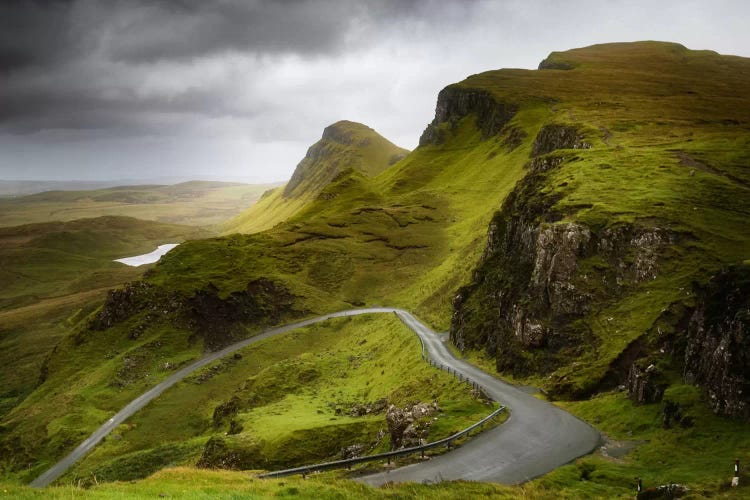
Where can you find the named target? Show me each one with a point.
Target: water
(147, 258)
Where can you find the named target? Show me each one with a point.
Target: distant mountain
(22, 188)
(201, 203)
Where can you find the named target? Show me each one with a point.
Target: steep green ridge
(610, 183)
(196, 203)
(598, 247)
(345, 146)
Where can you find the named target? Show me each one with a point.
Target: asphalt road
(537, 438)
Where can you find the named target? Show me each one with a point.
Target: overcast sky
(239, 89)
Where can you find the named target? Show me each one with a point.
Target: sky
(239, 89)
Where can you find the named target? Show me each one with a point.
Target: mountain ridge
(345, 148)
(572, 210)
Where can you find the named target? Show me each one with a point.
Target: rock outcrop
(539, 276)
(456, 102)
(217, 319)
(717, 353)
(556, 136)
(644, 384)
(409, 426)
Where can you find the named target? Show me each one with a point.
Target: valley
(582, 228)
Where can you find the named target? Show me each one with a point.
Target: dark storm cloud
(76, 64)
(34, 33)
(89, 88)
(175, 30)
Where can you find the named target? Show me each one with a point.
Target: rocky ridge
(455, 103)
(539, 273)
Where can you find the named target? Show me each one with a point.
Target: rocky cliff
(455, 103)
(540, 274)
(717, 352)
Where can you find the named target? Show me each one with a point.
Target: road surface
(537, 438)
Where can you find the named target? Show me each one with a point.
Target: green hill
(583, 227)
(345, 147)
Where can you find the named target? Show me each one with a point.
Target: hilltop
(345, 147)
(582, 227)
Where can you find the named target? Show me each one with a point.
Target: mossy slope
(629, 139)
(345, 147)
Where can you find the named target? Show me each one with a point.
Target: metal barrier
(341, 464)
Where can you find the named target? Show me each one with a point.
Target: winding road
(536, 439)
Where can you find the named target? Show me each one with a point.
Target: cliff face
(530, 292)
(455, 103)
(717, 353)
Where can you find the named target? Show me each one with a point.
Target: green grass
(53, 276)
(195, 203)
(290, 389)
(701, 456)
(190, 483)
(345, 147)
(670, 139)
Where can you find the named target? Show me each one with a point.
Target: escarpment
(217, 319)
(717, 349)
(542, 273)
(455, 102)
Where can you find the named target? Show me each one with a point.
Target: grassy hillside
(53, 275)
(345, 147)
(195, 203)
(662, 198)
(611, 180)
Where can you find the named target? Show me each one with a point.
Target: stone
(353, 451)
(717, 353)
(644, 385)
(408, 426)
(556, 136)
(455, 102)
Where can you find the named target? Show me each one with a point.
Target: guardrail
(343, 464)
(347, 463)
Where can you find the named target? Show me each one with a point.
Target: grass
(701, 456)
(669, 134)
(296, 393)
(195, 203)
(188, 483)
(345, 147)
(53, 275)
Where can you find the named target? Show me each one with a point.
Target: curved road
(536, 439)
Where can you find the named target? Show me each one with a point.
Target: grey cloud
(251, 83)
(64, 59)
(34, 33)
(193, 29)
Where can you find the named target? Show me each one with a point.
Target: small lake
(147, 258)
